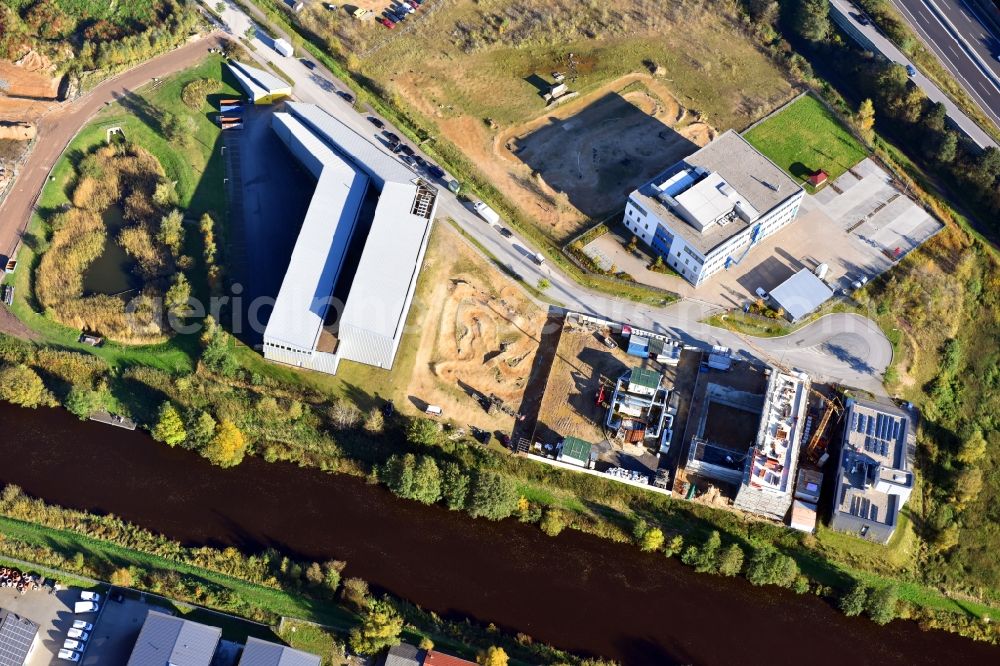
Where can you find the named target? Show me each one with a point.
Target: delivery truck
(284, 48)
(486, 213)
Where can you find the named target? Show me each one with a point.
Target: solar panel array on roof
(16, 636)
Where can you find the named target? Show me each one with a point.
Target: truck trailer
(284, 48)
(486, 213)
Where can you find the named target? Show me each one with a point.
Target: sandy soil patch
(580, 160)
(481, 337)
(27, 88)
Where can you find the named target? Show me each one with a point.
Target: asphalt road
(978, 71)
(58, 128)
(843, 348)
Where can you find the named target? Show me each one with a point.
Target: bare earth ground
(474, 74)
(30, 89)
(582, 364)
(470, 311)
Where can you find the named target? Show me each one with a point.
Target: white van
(433, 410)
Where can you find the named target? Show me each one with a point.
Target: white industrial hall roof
(381, 167)
(255, 81)
(391, 258)
(302, 303)
(801, 294)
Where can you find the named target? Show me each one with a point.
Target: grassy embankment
(806, 137)
(196, 167)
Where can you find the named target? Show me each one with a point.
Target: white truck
(486, 213)
(284, 48)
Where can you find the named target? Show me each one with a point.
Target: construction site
(701, 424)
(617, 389)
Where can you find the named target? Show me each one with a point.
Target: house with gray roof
(404, 654)
(705, 213)
(165, 640)
(264, 653)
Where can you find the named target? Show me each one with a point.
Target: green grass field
(805, 137)
(197, 169)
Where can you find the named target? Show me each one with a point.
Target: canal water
(575, 591)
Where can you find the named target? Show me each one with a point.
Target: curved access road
(59, 126)
(842, 348)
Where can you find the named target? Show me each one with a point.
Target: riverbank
(651, 609)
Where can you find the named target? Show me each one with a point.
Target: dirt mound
(17, 131)
(27, 88)
(32, 61)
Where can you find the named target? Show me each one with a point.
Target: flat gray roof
(388, 263)
(743, 168)
(255, 81)
(875, 450)
(304, 297)
(263, 653)
(382, 168)
(165, 640)
(801, 294)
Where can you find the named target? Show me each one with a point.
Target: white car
(761, 293)
(78, 634)
(80, 624)
(69, 655)
(90, 596)
(85, 607)
(70, 644)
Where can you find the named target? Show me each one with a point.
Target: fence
(593, 472)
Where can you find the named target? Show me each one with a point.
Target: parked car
(863, 20)
(505, 232)
(68, 655)
(392, 138)
(89, 596)
(81, 625)
(346, 96)
(388, 16)
(78, 634)
(85, 607)
(308, 63)
(761, 292)
(435, 170)
(911, 70)
(421, 162)
(376, 122)
(386, 22)
(405, 7)
(405, 149)
(398, 14)
(412, 4)
(70, 644)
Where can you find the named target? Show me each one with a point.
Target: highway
(843, 348)
(847, 15)
(965, 44)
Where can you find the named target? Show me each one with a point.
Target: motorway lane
(982, 86)
(58, 128)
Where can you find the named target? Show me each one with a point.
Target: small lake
(111, 273)
(575, 591)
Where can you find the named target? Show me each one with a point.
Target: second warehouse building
(374, 315)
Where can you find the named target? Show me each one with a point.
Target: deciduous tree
(494, 496)
(169, 427)
(227, 447)
(493, 656)
(379, 629)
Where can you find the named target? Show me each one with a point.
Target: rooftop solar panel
(16, 636)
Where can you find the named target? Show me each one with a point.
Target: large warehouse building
(371, 324)
(706, 212)
(260, 86)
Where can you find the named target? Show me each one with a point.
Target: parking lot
(52, 610)
(858, 225)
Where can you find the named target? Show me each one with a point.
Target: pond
(111, 273)
(575, 591)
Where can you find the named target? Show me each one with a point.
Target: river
(574, 591)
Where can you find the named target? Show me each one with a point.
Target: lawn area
(806, 137)
(197, 169)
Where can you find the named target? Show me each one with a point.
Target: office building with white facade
(705, 213)
(299, 331)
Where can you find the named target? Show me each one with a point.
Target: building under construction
(768, 478)
(638, 408)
